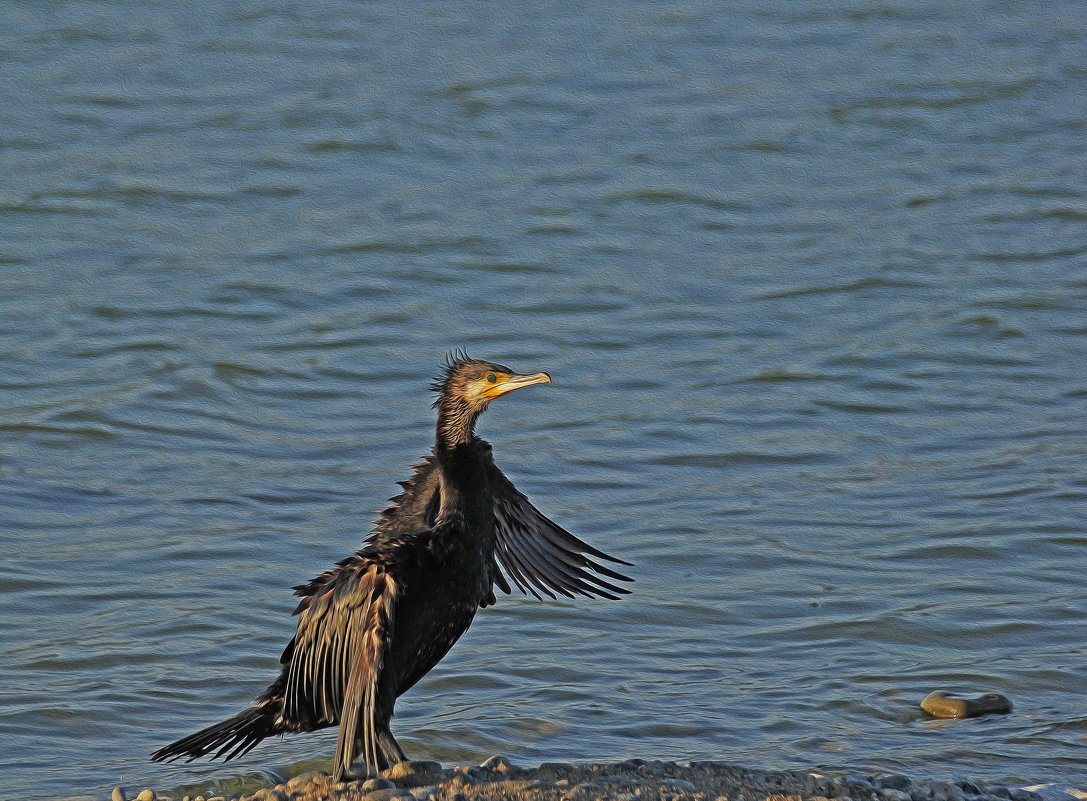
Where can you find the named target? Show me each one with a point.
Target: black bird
(371, 627)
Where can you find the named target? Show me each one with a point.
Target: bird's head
(467, 386)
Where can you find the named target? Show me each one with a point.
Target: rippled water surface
(811, 279)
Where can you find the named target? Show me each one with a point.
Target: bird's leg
(389, 747)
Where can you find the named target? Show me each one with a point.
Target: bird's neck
(456, 423)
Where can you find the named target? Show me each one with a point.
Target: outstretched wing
(541, 556)
(333, 664)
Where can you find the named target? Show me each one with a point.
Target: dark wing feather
(334, 662)
(540, 556)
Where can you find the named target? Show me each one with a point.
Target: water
(810, 278)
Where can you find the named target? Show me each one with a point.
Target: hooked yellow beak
(508, 383)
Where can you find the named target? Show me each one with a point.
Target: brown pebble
(147, 795)
(305, 779)
(941, 704)
(117, 795)
(417, 770)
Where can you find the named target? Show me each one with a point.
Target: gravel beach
(496, 779)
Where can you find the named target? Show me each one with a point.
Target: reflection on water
(810, 283)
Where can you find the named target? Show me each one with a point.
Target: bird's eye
(491, 377)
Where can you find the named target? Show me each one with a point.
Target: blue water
(811, 279)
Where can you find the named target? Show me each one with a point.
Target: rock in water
(940, 704)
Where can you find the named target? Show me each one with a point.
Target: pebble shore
(496, 779)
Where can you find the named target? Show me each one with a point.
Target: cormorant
(371, 627)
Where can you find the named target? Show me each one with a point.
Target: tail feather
(229, 739)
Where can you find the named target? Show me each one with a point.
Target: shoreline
(496, 779)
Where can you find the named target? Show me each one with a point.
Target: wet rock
(891, 781)
(557, 767)
(945, 791)
(496, 764)
(940, 704)
(895, 795)
(147, 795)
(117, 795)
(431, 791)
(1056, 792)
(1021, 794)
(920, 792)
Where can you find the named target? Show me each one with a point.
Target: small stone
(276, 794)
(302, 780)
(895, 795)
(147, 795)
(389, 795)
(584, 792)
(460, 780)
(424, 793)
(117, 795)
(420, 771)
(370, 785)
